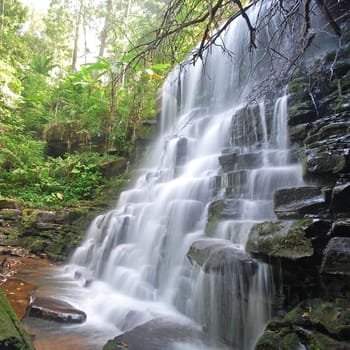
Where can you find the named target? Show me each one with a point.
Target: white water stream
(136, 253)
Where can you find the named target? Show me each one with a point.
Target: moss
(298, 85)
(28, 218)
(269, 227)
(10, 214)
(62, 245)
(12, 336)
(214, 215)
(77, 213)
(280, 239)
(334, 318)
(37, 246)
(284, 339)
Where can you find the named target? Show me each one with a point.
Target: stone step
(258, 184)
(253, 160)
(294, 203)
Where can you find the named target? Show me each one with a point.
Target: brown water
(31, 274)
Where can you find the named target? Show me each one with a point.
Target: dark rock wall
(315, 279)
(308, 245)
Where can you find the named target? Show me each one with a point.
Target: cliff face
(309, 245)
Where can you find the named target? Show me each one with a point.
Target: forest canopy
(89, 70)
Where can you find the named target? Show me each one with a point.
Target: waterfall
(136, 254)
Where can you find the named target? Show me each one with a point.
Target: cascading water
(136, 254)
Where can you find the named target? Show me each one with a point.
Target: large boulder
(227, 280)
(218, 255)
(12, 336)
(341, 228)
(281, 239)
(158, 334)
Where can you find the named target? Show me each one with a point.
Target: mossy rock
(332, 318)
(290, 338)
(298, 87)
(300, 113)
(29, 218)
(281, 239)
(62, 245)
(38, 246)
(214, 215)
(12, 336)
(278, 338)
(7, 203)
(10, 214)
(314, 324)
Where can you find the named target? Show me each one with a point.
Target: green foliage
(10, 87)
(53, 182)
(80, 97)
(39, 94)
(59, 27)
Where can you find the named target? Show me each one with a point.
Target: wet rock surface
(217, 255)
(55, 310)
(281, 239)
(158, 334)
(315, 291)
(19, 294)
(336, 260)
(12, 336)
(294, 203)
(312, 324)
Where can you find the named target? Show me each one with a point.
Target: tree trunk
(76, 36)
(104, 33)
